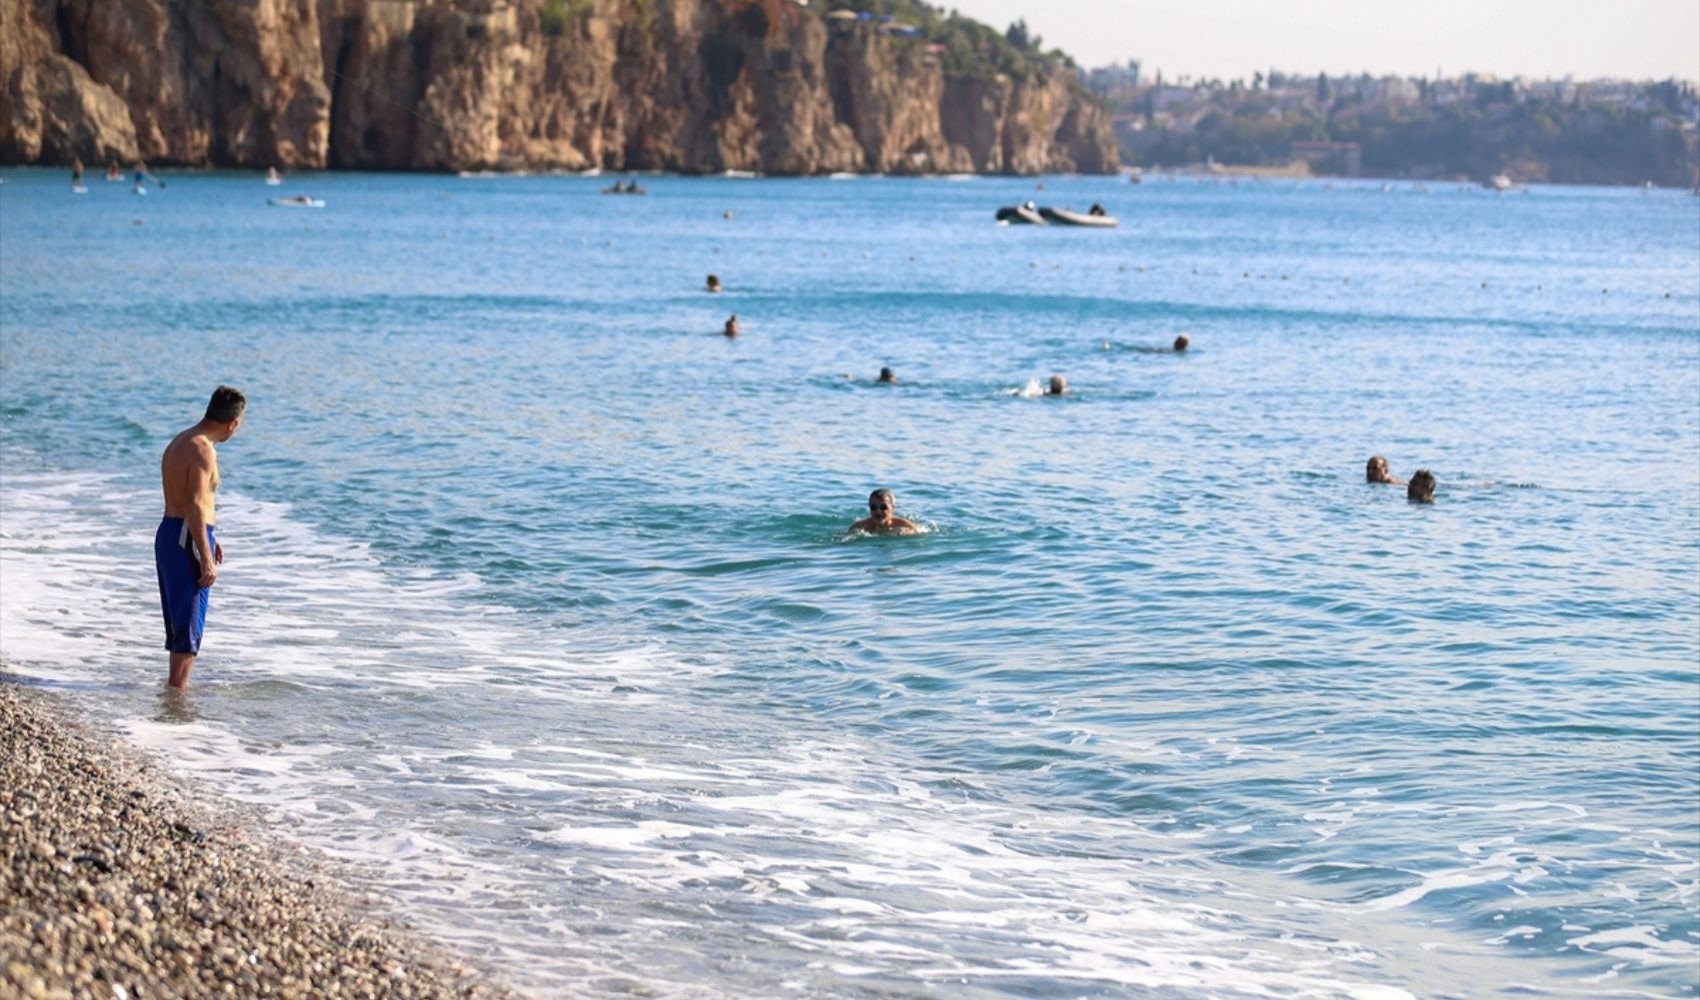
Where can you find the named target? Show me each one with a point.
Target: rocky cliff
(695, 86)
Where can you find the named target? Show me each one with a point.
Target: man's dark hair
(226, 404)
(1421, 486)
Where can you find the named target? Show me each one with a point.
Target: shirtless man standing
(186, 552)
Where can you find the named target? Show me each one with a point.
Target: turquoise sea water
(540, 610)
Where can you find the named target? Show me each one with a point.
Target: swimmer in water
(714, 284)
(882, 517)
(1058, 386)
(887, 376)
(1181, 344)
(731, 325)
(1375, 471)
(1421, 487)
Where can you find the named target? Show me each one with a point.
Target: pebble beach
(121, 882)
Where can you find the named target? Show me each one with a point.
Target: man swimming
(1421, 487)
(882, 517)
(887, 376)
(186, 551)
(1375, 471)
(731, 329)
(1058, 386)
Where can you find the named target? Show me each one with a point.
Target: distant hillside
(696, 86)
(1608, 132)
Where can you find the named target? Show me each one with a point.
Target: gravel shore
(119, 884)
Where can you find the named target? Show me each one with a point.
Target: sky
(1586, 39)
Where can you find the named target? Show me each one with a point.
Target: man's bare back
(188, 472)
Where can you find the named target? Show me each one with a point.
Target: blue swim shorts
(181, 596)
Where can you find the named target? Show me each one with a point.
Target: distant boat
(299, 201)
(1135, 175)
(1020, 215)
(632, 188)
(1063, 217)
(1500, 182)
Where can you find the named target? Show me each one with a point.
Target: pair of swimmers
(1420, 489)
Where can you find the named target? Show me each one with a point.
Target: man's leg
(181, 664)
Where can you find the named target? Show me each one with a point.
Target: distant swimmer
(1181, 344)
(1421, 487)
(112, 171)
(1375, 471)
(186, 551)
(272, 176)
(731, 325)
(714, 283)
(887, 376)
(1058, 386)
(76, 171)
(882, 517)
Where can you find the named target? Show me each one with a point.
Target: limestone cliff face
(688, 85)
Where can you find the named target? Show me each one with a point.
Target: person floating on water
(1375, 471)
(1058, 386)
(186, 551)
(731, 325)
(714, 284)
(112, 171)
(272, 176)
(76, 172)
(1421, 487)
(1181, 344)
(887, 376)
(882, 517)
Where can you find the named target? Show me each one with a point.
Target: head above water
(1421, 487)
(882, 503)
(887, 375)
(1181, 343)
(1058, 386)
(732, 325)
(714, 282)
(1375, 470)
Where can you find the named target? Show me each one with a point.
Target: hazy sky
(1639, 39)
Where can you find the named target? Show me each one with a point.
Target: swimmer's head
(882, 503)
(1058, 386)
(1375, 471)
(732, 325)
(887, 375)
(714, 282)
(1181, 343)
(1421, 487)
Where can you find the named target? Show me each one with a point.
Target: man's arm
(203, 465)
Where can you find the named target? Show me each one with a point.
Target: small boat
(632, 188)
(1499, 182)
(1135, 175)
(1020, 215)
(1063, 217)
(300, 201)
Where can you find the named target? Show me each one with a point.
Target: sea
(541, 614)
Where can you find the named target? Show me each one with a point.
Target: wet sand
(121, 881)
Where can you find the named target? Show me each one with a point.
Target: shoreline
(123, 880)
